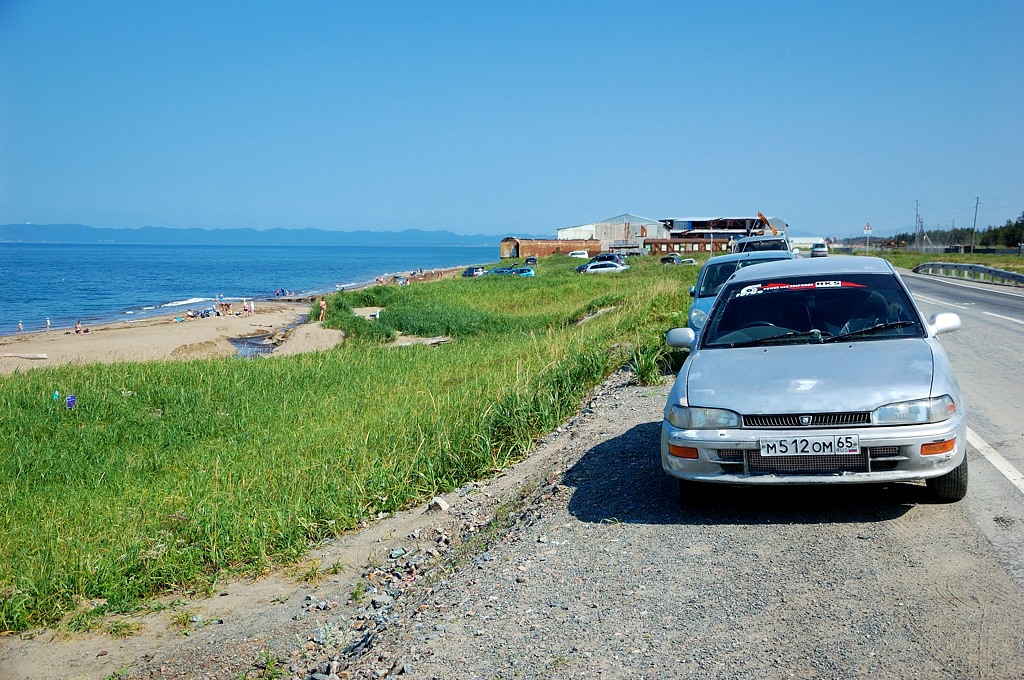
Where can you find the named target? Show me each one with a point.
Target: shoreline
(179, 308)
(150, 339)
(160, 337)
(71, 282)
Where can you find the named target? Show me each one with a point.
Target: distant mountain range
(80, 233)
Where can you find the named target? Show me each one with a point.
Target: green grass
(168, 476)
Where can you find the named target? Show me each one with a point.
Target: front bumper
(886, 454)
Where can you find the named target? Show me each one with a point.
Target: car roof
(818, 266)
(753, 255)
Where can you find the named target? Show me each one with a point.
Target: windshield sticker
(759, 288)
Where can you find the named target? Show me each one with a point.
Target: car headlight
(696, 418)
(697, 319)
(933, 410)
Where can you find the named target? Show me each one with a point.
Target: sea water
(98, 283)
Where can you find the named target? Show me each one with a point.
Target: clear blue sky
(482, 117)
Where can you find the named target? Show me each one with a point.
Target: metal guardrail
(973, 272)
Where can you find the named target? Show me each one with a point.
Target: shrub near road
(168, 476)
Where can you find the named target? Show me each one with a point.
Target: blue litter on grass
(70, 401)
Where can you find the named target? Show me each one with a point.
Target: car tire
(950, 487)
(693, 494)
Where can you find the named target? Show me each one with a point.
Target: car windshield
(716, 274)
(839, 307)
(757, 246)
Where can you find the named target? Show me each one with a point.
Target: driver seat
(873, 311)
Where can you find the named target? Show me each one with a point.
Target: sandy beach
(159, 338)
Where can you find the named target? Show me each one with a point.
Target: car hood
(857, 376)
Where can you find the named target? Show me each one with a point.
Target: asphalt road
(987, 357)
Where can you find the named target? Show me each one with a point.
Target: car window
(758, 246)
(854, 307)
(715, 276)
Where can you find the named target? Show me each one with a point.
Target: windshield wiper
(869, 330)
(813, 334)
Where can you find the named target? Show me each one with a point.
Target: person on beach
(21, 329)
(323, 309)
(245, 308)
(78, 327)
(47, 324)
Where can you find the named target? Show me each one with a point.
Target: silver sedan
(816, 371)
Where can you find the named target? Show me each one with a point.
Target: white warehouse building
(621, 233)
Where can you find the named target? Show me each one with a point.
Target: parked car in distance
(530, 261)
(580, 253)
(714, 274)
(819, 250)
(522, 271)
(475, 270)
(603, 267)
(752, 243)
(603, 257)
(816, 371)
(678, 259)
(503, 269)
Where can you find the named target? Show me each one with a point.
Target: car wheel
(950, 487)
(693, 494)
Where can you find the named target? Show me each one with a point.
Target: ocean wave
(183, 303)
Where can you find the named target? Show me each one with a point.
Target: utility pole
(918, 228)
(974, 227)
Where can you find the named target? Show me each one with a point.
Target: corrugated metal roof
(627, 217)
(712, 219)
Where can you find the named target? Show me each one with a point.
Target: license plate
(811, 446)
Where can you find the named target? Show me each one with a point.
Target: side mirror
(796, 251)
(680, 337)
(693, 291)
(944, 322)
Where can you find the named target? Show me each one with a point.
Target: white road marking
(1000, 463)
(939, 302)
(1007, 318)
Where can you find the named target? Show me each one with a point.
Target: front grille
(792, 420)
(730, 455)
(855, 462)
(730, 459)
(883, 451)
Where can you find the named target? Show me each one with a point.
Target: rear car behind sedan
(716, 271)
(816, 371)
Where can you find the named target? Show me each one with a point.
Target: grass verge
(168, 476)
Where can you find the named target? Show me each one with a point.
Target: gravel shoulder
(580, 562)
